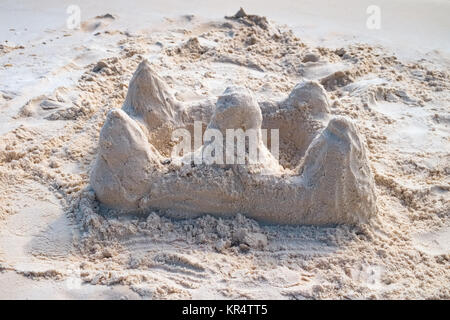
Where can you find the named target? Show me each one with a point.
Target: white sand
(55, 244)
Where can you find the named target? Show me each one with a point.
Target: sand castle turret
(148, 98)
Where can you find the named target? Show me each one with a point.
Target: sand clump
(250, 19)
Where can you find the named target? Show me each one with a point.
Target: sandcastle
(323, 175)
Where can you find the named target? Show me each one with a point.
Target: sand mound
(330, 181)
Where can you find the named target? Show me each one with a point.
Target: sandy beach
(61, 238)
